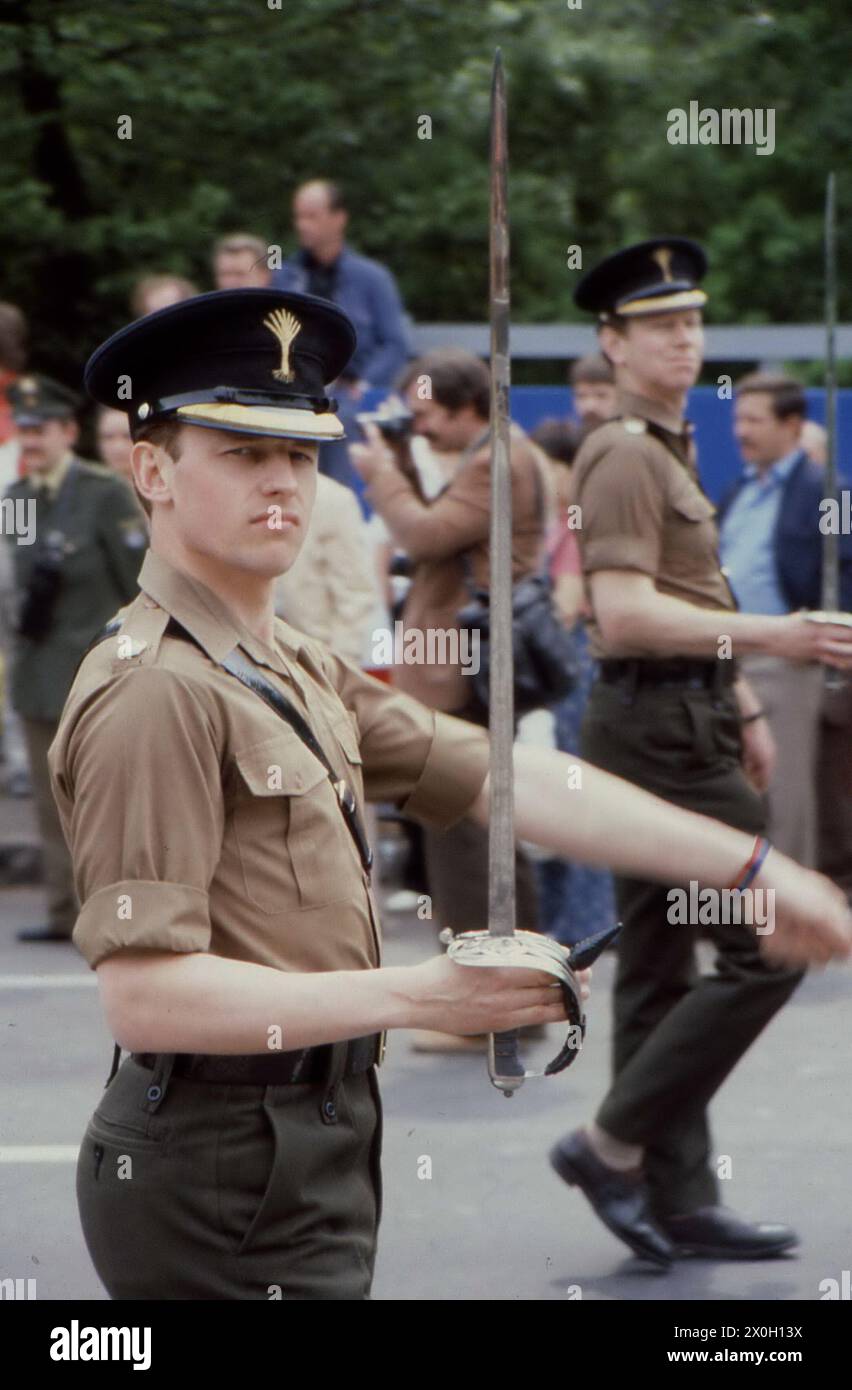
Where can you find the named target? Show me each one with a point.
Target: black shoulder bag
(545, 661)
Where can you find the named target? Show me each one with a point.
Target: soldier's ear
(612, 340)
(150, 465)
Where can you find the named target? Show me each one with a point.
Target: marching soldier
(210, 768)
(80, 562)
(670, 713)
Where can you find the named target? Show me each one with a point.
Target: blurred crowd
(408, 544)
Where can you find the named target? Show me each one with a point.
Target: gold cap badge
(285, 326)
(663, 257)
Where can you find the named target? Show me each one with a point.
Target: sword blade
(505, 1066)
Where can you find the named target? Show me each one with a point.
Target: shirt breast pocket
(690, 535)
(292, 841)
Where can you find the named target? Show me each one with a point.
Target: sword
(502, 945)
(504, 1063)
(830, 598)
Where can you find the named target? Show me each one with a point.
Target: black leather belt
(310, 1066)
(695, 675)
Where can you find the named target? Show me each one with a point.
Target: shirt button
(154, 1092)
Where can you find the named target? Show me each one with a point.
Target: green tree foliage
(232, 102)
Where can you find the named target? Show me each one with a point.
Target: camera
(392, 419)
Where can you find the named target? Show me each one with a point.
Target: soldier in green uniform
(77, 543)
(670, 713)
(210, 768)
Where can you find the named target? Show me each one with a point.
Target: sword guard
(531, 951)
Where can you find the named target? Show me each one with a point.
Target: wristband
(748, 873)
(750, 718)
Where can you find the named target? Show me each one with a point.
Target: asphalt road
(491, 1221)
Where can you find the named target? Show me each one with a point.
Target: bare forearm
(579, 812)
(666, 626)
(203, 1003)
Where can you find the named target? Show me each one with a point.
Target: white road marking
(39, 1153)
(48, 981)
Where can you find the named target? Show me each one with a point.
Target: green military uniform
(90, 521)
(672, 726)
(200, 820)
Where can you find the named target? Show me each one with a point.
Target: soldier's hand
(811, 923)
(374, 456)
(801, 638)
(451, 998)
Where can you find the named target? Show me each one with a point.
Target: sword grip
(505, 1066)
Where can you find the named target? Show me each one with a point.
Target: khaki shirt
(642, 508)
(197, 819)
(437, 535)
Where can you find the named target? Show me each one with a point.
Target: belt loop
(156, 1092)
(336, 1067)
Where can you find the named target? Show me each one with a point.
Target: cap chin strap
(235, 395)
(531, 951)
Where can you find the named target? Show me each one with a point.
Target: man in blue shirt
(364, 290)
(771, 551)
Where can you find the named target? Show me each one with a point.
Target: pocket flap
(280, 766)
(693, 507)
(347, 737)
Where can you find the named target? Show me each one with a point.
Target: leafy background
(233, 103)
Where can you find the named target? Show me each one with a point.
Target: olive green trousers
(232, 1192)
(677, 1033)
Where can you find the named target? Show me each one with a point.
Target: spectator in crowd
(82, 566)
(331, 591)
(326, 266)
(240, 260)
(112, 434)
(834, 758)
(447, 542)
(153, 292)
(771, 550)
(592, 383)
(575, 900)
(814, 441)
(13, 357)
(13, 360)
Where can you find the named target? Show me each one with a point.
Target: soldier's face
(240, 500)
(658, 353)
(44, 446)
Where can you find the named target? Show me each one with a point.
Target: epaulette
(136, 640)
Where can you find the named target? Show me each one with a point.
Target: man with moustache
(89, 542)
(671, 712)
(211, 768)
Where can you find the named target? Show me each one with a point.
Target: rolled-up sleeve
(431, 765)
(138, 786)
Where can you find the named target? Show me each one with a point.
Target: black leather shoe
(620, 1199)
(719, 1234)
(47, 933)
